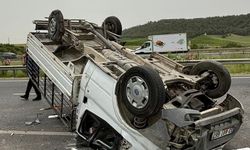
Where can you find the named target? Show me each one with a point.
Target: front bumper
(231, 117)
(227, 114)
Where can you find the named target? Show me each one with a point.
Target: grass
(134, 42)
(205, 41)
(239, 68)
(218, 41)
(10, 74)
(242, 40)
(14, 62)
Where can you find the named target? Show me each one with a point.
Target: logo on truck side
(159, 43)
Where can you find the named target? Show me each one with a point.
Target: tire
(142, 84)
(187, 69)
(112, 24)
(217, 70)
(56, 26)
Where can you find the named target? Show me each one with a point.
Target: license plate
(221, 133)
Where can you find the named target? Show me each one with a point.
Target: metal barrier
(12, 68)
(184, 62)
(223, 61)
(241, 50)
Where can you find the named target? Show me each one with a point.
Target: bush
(231, 44)
(134, 41)
(17, 49)
(10, 74)
(194, 46)
(224, 36)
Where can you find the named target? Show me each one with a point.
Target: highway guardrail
(184, 62)
(223, 61)
(12, 68)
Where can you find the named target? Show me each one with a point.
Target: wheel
(219, 79)
(56, 26)
(187, 69)
(112, 24)
(142, 91)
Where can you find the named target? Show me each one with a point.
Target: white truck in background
(164, 43)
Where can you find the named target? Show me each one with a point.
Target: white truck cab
(146, 47)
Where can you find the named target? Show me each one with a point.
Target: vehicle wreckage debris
(53, 116)
(35, 122)
(48, 108)
(56, 116)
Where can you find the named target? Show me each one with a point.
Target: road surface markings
(14, 80)
(49, 133)
(247, 148)
(240, 77)
(19, 94)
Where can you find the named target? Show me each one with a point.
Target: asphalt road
(50, 134)
(240, 89)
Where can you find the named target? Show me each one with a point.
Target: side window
(143, 46)
(147, 45)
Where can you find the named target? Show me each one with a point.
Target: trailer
(114, 99)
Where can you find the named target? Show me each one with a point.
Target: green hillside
(239, 25)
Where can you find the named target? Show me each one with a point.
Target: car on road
(115, 99)
(8, 55)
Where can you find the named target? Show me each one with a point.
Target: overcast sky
(17, 15)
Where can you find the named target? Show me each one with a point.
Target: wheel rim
(52, 26)
(137, 92)
(110, 27)
(213, 78)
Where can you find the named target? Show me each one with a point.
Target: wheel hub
(52, 26)
(213, 81)
(111, 27)
(137, 92)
